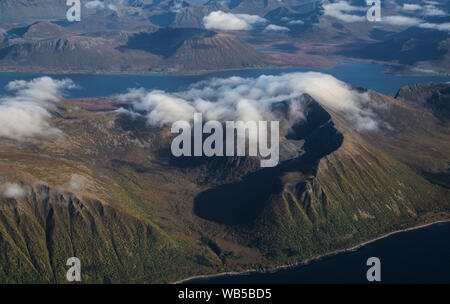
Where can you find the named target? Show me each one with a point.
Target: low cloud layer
(222, 21)
(11, 190)
(252, 99)
(411, 21)
(295, 22)
(77, 182)
(411, 7)
(440, 27)
(25, 112)
(276, 28)
(344, 11)
(401, 20)
(94, 4)
(429, 9)
(113, 5)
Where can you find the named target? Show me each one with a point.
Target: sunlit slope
(360, 190)
(40, 231)
(111, 224)
(358, 193)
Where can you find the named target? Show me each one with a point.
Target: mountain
(172, 50)
(108, 192)
(14, 11)
(435, 97)
(407, 47)
(35, 31)
(177, 13)
(195, 49)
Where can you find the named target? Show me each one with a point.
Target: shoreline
(309, 260)
(161, 73)
(387, 70)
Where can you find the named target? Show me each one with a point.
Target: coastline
(165, 73)
(312, 259)
(388, 69)
(137, 72)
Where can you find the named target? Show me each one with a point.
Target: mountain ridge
(140, 51)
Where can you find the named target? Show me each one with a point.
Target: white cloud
(440, 27)
(77, 182)
(292, 22)
(410, 21)
(252, 99)
(10, 190)
(276, 28)
(401, 20)
(176, 7)
(421, 70)
(94, 4)
(342, 10)
(344, 6)
(429, 9)
(25, 112)
(113, 5)
(412, 7)
(222, 21)
(251, 19)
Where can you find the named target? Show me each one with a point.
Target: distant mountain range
(48, 47)
(407, 47)
(409, 39)
(12, 11)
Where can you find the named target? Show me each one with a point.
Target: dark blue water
(366, 75)
(417, 256)
(275, 50)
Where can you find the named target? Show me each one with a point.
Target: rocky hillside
(26, 11)
(432, 96)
